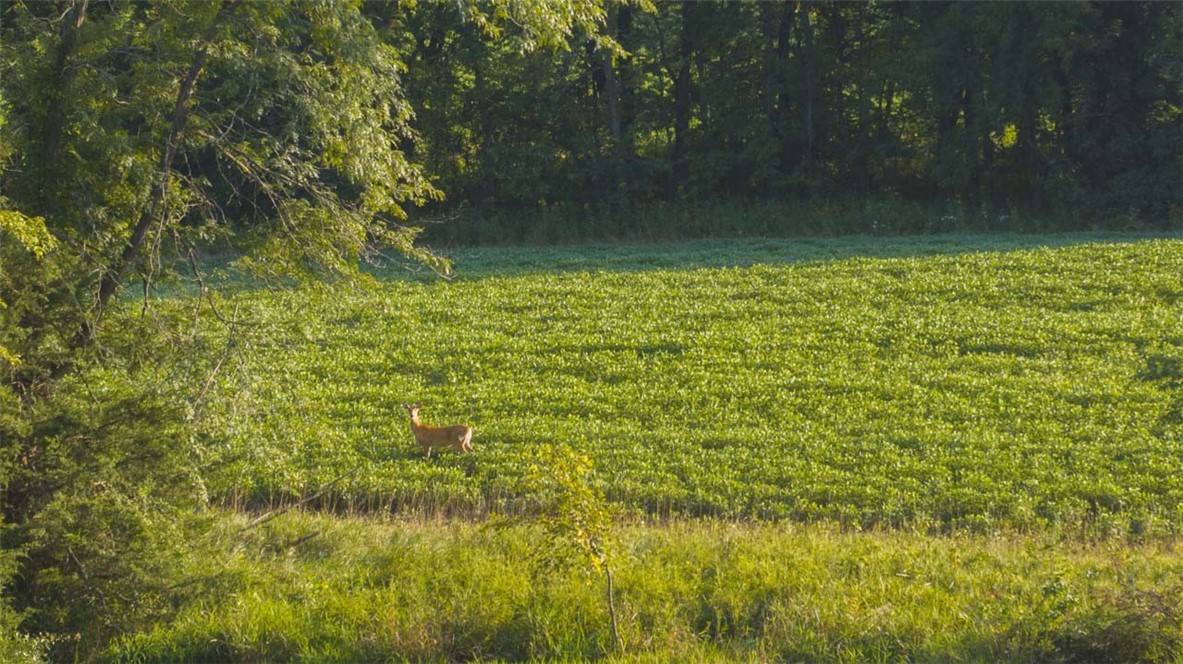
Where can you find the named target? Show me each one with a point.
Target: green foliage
(572, 510)
(535, 24)
(24, 238)
(278, 128)
(324, 588)
(94, 480)
(573, 515)
(28, 232)
(96, 549)
(15, 646)
(1019, 109)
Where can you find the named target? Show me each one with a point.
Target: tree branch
(113, 276)
(257, 521)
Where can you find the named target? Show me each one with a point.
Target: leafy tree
(133, 136)
(574, 515)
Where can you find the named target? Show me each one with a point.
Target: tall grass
(314, 588)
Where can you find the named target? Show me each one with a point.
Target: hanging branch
(113, 276)
(264, 518)
(70, 33)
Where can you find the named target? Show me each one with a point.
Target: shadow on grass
(477, 263)
(480, 263)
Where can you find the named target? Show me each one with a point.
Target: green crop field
(917, 449)
(945, 383)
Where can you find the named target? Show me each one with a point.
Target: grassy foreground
(949, 383)
(314, 588)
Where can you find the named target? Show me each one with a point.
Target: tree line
(1049, 108)
(1056, 109)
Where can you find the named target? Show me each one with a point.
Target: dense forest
(1050, 108)
(979, 114)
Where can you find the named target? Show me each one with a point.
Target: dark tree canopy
(1066, 109)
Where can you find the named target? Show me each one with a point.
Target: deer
(457, 436)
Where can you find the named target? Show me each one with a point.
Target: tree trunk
(781, 122)
(682, 103)
(768, 20)
(609, 85)
(807, 63)
(1066, 119)
(625, 78)
(1028, 147)
(114, 274)
(972, 185)
(612, 92)
(866, 130)
(60, 101)
(619, 645)
(888, 102)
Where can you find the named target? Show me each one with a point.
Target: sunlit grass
(946, 383)
(319, 588)
(940, 449)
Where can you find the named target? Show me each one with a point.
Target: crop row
(960, 386)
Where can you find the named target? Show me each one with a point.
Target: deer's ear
(407, 406)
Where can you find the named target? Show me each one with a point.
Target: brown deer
(458, 436)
